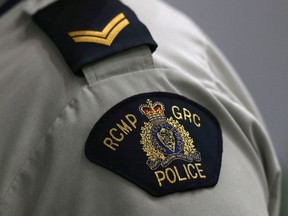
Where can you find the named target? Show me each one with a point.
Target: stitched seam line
(37, 145)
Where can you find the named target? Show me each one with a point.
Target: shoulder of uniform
(88, 31)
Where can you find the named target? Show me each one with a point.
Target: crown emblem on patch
(165, 139)
(154, 112)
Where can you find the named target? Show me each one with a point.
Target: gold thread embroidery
(106, 36)
(171, 175)
(165, 139)
(104, 32)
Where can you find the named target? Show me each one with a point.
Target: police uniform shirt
(47, 113)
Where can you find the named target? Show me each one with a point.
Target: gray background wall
(253, 34)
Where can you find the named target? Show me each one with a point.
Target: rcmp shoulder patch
(162, 142)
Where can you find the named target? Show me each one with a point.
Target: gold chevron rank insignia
(106, 36)
(90, 31)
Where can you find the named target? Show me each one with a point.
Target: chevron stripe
(106, 36)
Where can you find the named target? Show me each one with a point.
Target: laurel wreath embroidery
(188, 141)
(146, 141)
(152, 153)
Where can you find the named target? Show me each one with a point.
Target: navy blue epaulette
(87, 31)
(7, 5)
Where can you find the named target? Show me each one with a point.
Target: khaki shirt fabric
(47, 113)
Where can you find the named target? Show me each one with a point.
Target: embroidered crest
(162, 142)
(165, 139)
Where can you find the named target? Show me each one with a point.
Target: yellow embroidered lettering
(124, 127)
(160, 178)
(184, 113)
(176, 113)
(200, 171)
(114, 137)
(187, 115)
(110, 144)
(191, 172)
(172, 179)
(186, 171)
(196, 120)
(131, 119)
(118, 134)
(179, 174)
